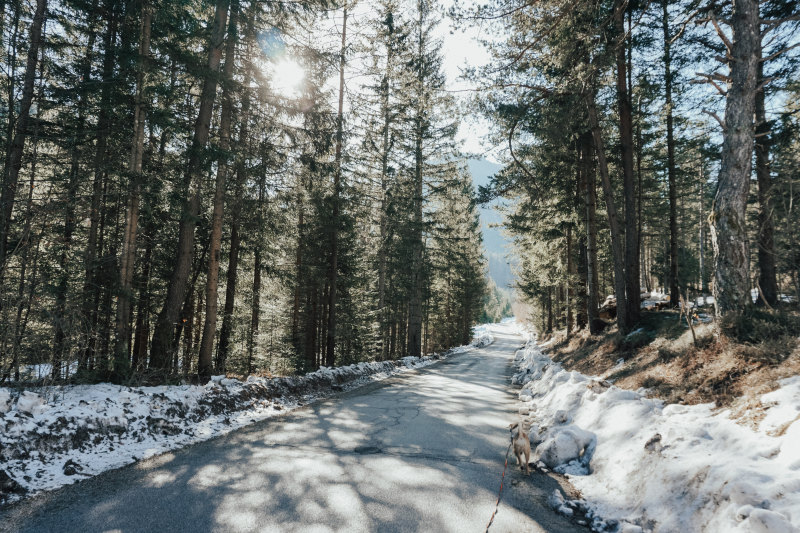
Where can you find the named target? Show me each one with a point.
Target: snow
(59, 435)
(641, 465)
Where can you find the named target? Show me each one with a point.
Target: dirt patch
(662, 357)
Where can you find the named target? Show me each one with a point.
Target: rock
(8, 485)
(71, 468)
(654, 443)
(30, 403)
(5, 401)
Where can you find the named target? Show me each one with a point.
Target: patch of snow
(646, 466)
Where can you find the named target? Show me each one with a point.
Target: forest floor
(660, 356)
(662, 434)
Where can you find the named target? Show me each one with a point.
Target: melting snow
(63, 434)
(646, 466)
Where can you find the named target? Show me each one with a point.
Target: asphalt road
(420, 452)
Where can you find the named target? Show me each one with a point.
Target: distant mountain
(497, 245)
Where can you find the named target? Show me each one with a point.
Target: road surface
(419, 452)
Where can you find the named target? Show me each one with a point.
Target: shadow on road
(419, 452)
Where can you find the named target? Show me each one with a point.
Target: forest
(202, 187)
(195, 187)
(651, 149)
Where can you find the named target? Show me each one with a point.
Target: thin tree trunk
(729, 223)
(205, 362)
(631, 268)
(11, 176)
(122, 347)
(568, 291)
(223, 349)
(330, 350)
(91, 286)
(162, 344)
(589, 188)
(255, 311)
(674, 291)
(613, 221)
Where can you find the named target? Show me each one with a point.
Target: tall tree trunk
(91, 286)
(11, 176)
(631, 269)
(729, 223)
(415, 303)
(589, 192)
(223, 349)
(613, 221)
(382, 252)
(767, 278)
(205, 362)
(120, 366)
(330, 350)
(674, 291)
(703, 284)
(162, 344)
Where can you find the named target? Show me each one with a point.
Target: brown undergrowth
(731, 365)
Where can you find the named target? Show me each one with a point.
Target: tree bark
(11, 176)
(162, 345)
(729, 224)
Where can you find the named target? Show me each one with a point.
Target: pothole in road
(367, 450)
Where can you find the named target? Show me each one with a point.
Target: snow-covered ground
(59, 435)
(644, 466)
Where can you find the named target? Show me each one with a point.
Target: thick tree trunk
(162, 344)
(616, 241)
(729, 224)
(767, 278)
(205, 362)
(632, 286)
(333, 268)
(121, 351)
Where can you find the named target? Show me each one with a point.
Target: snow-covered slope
(645, 466)
(60, 435)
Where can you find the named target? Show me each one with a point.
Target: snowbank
(644, 466)
(63, 434)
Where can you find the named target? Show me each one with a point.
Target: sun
(287, 77)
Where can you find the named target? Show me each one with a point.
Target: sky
(461, 48)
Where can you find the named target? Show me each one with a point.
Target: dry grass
(662, 358)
